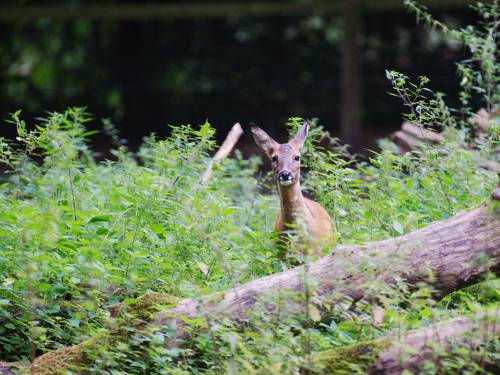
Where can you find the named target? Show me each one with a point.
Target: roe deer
(294, 207)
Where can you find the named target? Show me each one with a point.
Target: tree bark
(225, 149)
(350, 119)
(412, 136)
(422, 133)
(392, 355)
(447, 255)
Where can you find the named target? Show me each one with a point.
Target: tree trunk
(350, 125)
(392, 355)
(447, 254)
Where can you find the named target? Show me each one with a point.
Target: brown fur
(295, 209)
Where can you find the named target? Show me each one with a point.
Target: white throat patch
(285, 182)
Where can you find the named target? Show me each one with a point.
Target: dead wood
(447, 255)
(225, 149)
(482, 120)
(411, 137)
(405, 142)
(421, 133)
(491, 165)
(392, 354)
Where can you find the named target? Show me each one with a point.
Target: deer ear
(263, 140)
(301, 135)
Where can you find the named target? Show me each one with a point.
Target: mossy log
(392, 355)
(137, 314)
(447, 255)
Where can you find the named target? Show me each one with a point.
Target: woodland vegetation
(149, 264)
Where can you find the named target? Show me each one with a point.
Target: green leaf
(90, 132)
(44, 287)
(74, 322)
(227, 211)
(397, 227)
(205, 128)
(102, 231)
(425, 313)
(99, 218)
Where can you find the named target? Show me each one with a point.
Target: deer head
(285, 158)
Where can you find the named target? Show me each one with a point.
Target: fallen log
(392, 355)
(225, 149)
(491, 165)
(411, 137)
(422, 133)
(482, 120)
(446, 255)
(405, 142)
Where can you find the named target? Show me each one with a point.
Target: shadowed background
(146, 64)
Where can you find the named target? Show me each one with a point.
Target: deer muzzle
(285, 178)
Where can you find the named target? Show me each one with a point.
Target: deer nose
(285, 176)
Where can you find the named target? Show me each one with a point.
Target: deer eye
(296, 158)
(274, 158)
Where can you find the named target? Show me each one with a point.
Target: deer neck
(292, 202)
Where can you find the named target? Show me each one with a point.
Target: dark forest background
(145, 65)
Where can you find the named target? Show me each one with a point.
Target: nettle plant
(78, 236)
(480, 73)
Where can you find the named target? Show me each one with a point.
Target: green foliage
(77, 237)
(480, 73)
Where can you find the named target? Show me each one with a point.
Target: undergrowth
(79, 236)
